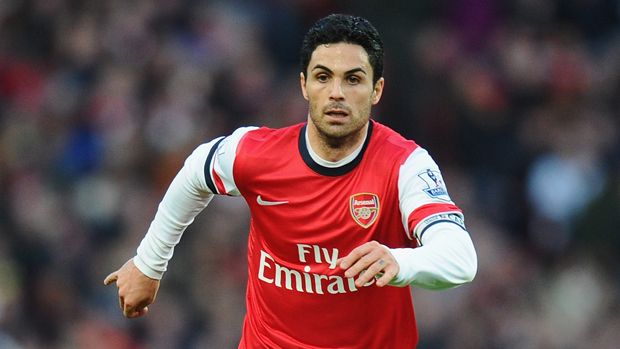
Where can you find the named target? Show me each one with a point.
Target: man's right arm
(207, 171)
(138, 279)
(188, 194)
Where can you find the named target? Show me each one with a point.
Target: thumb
(110, 278)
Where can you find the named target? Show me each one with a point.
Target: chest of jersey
(306, 218)
(302, 222)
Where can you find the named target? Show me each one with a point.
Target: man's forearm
(183, 201)
(446, 259)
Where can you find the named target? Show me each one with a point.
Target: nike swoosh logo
(269, 203)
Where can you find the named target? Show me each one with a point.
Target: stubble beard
(337, 136)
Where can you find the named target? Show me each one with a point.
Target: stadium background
(101, 101)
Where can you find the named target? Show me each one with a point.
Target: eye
(322, 77)
(353, 79)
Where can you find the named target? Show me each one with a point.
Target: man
(346, 213)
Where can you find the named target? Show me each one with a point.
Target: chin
(338, 128)
(338, 131)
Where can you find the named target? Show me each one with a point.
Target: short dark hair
(337, 28)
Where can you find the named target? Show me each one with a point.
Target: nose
(336, 93)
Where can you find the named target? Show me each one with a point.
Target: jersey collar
(331, 171)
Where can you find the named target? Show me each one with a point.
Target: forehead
(340, 57)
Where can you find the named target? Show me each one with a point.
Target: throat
(335, 151)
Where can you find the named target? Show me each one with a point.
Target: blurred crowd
(101, 101)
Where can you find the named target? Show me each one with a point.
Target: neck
(334, 148)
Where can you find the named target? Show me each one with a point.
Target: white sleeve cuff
(446, 259)
(146, 270)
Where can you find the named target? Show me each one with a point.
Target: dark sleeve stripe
(426, 212)
(207, 168)
(439, 221)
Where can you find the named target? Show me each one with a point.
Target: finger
(121, 303)
(135, 312)
(354, 256)
(141, 312)
(128, 310)
(387, 276)
(110, 278)
(370, 273)
(361, 264)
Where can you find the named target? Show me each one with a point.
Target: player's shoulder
(270, 141)
(264, 134)
(392, 140)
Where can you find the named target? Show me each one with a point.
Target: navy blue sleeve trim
(208, 178)
(439, 221)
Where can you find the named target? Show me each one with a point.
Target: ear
(377, 91)
(302, 82)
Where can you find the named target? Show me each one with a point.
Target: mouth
(337, 113)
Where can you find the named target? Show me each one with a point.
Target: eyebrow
(354, 70)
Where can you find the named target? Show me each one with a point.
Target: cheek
(310, 93)
(316, 96)
(364, 111)
(363, 103)
(313, 107)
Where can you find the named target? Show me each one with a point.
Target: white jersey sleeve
(446, 259)
(218, 170)
(207, 171)
(422, 195)
(446, 256)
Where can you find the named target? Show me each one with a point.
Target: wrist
(146, 270)
(402, 278)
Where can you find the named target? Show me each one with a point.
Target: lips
(336, 111)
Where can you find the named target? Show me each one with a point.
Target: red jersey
(305, 216)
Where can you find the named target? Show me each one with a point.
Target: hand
(368, 261)
(135, 290)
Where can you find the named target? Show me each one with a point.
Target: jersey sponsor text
(305, 281)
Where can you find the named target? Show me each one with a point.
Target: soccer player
(346, 214)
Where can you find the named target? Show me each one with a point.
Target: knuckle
(393, 273)
(356, 270)
(367, 261)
